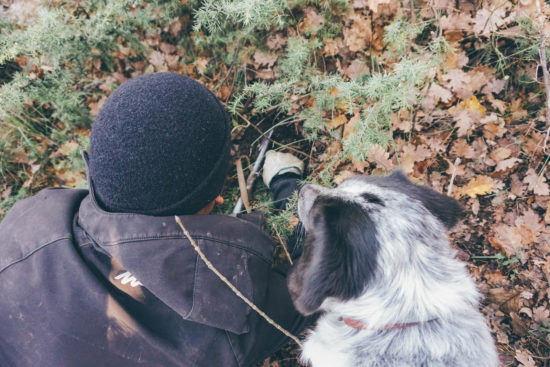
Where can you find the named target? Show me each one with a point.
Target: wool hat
(159, 146)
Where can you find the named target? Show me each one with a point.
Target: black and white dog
(377, 262)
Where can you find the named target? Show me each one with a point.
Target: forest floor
(477, 130)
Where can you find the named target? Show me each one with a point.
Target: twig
(284, 245)
(450, 189)
(546, 79)
(232, 287)
(265, 135)
(242, 185)
(253, 173)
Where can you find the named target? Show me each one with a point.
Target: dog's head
(364, 224)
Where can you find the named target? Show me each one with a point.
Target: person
(105, 277)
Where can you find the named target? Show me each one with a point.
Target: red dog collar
(356, 324)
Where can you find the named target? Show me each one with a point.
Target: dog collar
(356, 324)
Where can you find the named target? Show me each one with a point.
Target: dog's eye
(370, 198)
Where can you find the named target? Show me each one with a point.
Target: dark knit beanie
(159, 146)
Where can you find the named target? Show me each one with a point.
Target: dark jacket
(83, 287)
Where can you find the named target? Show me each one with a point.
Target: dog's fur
(376, 251)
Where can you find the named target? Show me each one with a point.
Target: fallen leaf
(494, 86)
(276, 42)
(332, 46)
(525, 358)
(464, 123)
(337, 121)
(358, 35)
(541, 314)
(536, 183)
(264, 59)
(506, 164)
(480, 185)
(157, 59)
(435, 94)
(459, 82)
(472, 104)
(380, 157)
(355, 69)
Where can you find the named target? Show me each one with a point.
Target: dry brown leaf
(541, 314)
(456, 22)
(506, 164)
(459, 82)
(355, 69)
(494, 86)
(536, 183)
(157, 59)
(312, 22)
(507, 238)
(547, 215)
(337, 121)
(96, 106)
(462, 149)
(276, 42)
(435, 94)
(201, 63)
(489, 20)
(500, 154)
(531, 221)
(380, 157)
(332, 46)
(525, 358)
(264, 59)
(342, 176)
(167, 48)
(480, 185)
(359, 34)
(464, 122)
(373, 4)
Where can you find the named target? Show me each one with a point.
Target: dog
(377, 265)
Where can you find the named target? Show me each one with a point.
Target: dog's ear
(340, 254)
(443, 207)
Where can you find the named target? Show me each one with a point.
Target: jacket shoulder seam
(228, 243)
(24, 257)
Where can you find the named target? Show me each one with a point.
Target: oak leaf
(380, 157)
(480, 185)
(459, 82)
(264, 59)
(536, 183)
(506, 164)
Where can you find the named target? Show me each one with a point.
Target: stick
(546, 79)
(450, 189)
(254, 173)
(284, 246)
(242, 186)
(232, 287)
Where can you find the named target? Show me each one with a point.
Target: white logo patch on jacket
(126, 278)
